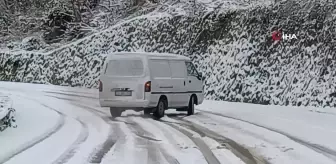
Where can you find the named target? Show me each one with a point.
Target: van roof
(153, 55)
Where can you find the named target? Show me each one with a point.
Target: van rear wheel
(191, 107)
(160, 109)
(115, 112)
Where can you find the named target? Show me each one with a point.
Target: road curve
(86, 133)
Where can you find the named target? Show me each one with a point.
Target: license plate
(123, 93)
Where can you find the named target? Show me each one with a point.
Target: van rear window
(125, 67)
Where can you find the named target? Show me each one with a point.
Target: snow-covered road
(66, 125)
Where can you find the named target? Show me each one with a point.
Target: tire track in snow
(241, 152)
(154, 154)
(69, 94)
(124, 146)
(166, 129)
(331, 154)
(145, 138)
(139, 131)
(71, 151)
(152, 144)
(98, 154)
(205, 150)
(37, 140)
(61, 98)
(74, 92)
(86, 107)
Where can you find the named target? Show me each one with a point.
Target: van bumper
(124, 103)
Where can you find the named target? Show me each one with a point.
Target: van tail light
(100, 86)
(148, 86)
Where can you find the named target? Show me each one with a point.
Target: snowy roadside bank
(6, 112)
(34, 122)
(5, 104)
(298, 123)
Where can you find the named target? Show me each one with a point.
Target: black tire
(160, 109)
(116, 112)
(191, 107)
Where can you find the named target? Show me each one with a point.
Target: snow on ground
(28, 87)
(300, 122)
(221, 152)
(289, 123)
(218, 150)
(58, 143)
(276, 148)
(34, 122)
(174, 142)
(87, 131)
(69, 123)
(124, 150)
(46, 123)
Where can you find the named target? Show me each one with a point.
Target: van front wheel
(115, 112)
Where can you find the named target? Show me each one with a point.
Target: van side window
(177, 68)
(191, 69)
(160, 68)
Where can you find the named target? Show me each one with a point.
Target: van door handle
(189, 81)
(184, 82)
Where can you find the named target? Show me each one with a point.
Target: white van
(152, 82)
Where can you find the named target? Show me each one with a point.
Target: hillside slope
(229, 42)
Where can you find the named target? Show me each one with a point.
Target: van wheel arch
(161, 107)
(196, 99)
(163, 97)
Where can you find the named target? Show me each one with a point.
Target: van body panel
(180, 96)
(160, 75)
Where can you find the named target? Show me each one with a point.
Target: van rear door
(123, 79)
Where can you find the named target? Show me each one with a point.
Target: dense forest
(230, 42)
(39, 24)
